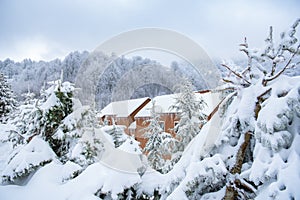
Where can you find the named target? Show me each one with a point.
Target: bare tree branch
(265, 81)
(236, 74)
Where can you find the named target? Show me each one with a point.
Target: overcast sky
(45, 30)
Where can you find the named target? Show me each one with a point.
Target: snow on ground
(116, 170)
(5, 148)
(51, 181)
(47, 184)
(119, 159)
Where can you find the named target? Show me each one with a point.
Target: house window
(175, 129)
(176, 123)
(162, 125)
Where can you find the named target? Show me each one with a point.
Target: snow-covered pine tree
(76, 134)
(23, 119)
(118, 134)
(7, 101)
(54, 116)
(28, 97)
(191, 116)
(43, 118)
(87, 149)
(271, 116)
(156, 140)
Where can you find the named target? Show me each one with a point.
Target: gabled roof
(123, 108)
(162, 105)
(164, 102)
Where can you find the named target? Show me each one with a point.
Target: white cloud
(36, 48)
(50, 28)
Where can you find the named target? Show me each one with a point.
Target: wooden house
(123, 112)
(133, 113)
(168, 117)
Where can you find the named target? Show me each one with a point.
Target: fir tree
(7, 101)
(118, 134)
(191, 117)
(43, 118)
(89, 151)
(155, 146)
(54, 117)
(28, 98)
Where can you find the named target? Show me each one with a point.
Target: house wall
(138, 133)
(169, 120)
(125, 121)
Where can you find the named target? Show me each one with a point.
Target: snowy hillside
(32, 75)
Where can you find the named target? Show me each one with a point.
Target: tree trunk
(231, 192)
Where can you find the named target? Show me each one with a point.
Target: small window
(176, 123)
(162, 125)
(175, 129)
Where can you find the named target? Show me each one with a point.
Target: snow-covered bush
(87, 149)
(209, 176)
(27, 159)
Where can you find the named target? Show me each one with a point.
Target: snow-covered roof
(123, 108)
(162, 105)
(164, 102)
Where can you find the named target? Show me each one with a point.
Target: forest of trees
(32, 76)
